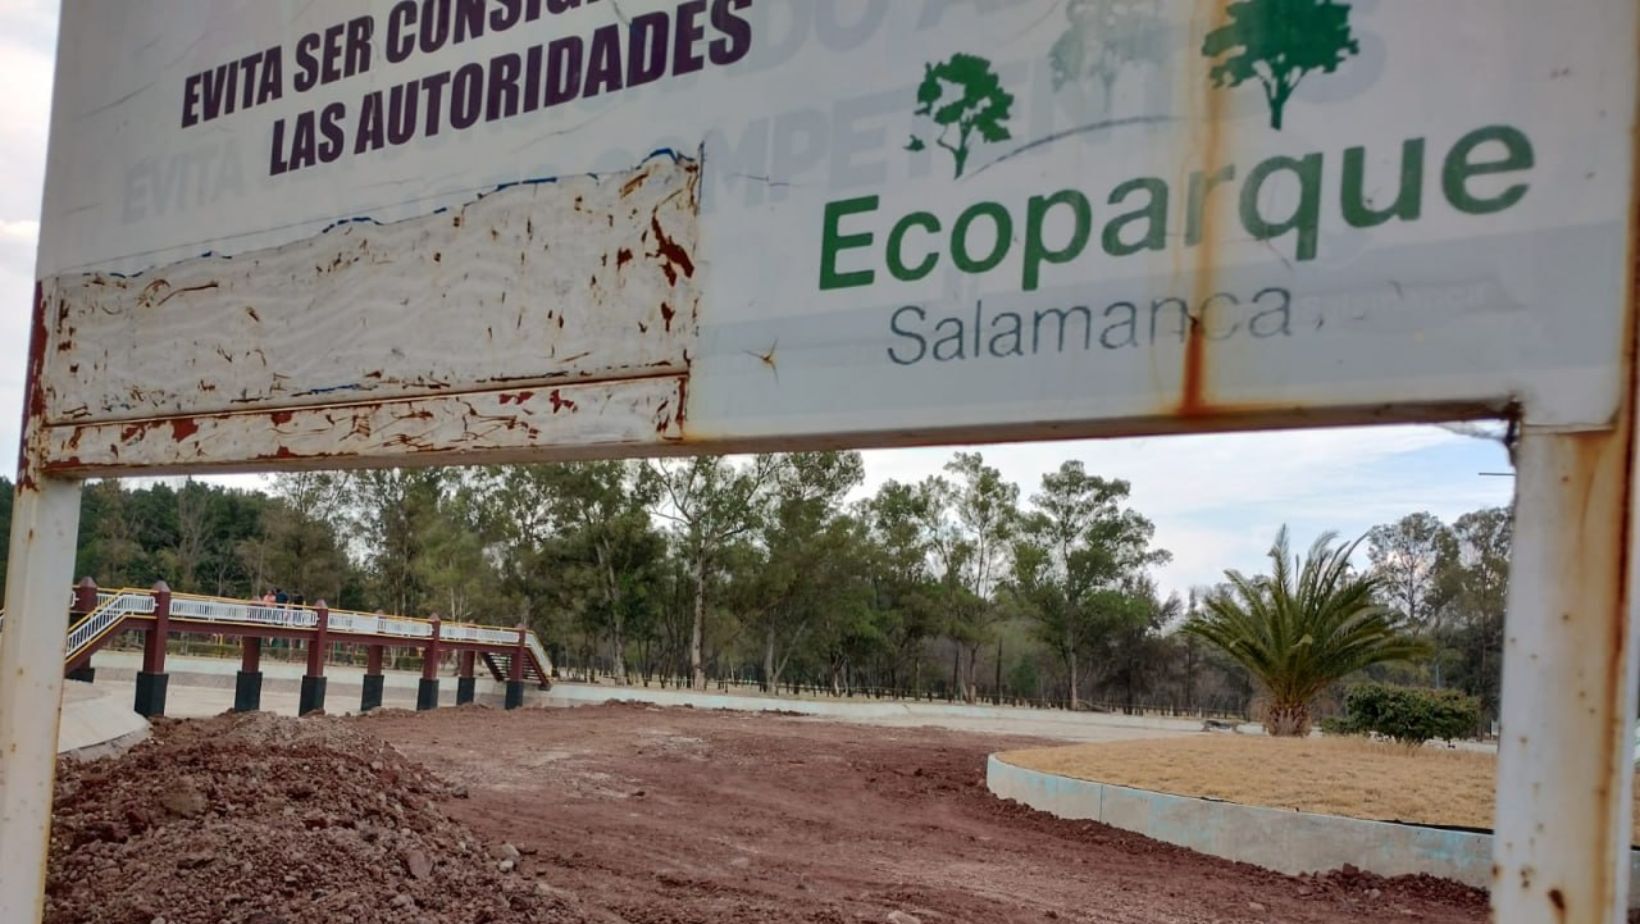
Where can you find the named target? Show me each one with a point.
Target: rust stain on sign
(370, 312)
(608, 418)
(1193, 401)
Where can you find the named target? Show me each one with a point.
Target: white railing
(348, 622)
(211, 609)
(111, 608)
(486, 635)
(539, 652)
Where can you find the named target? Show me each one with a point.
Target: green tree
(110, 547)
(392, 510)
(601, 509)
(302, 548)
(835, 605)
(1475, 579)
(710, 503)
(976, 544)
(1079, 555)
(1408, 558)
(965, 96)
(1301, 628)
(1135, 649)
(456, 563)
(1278, 43)
(794, 582)
(901, 519)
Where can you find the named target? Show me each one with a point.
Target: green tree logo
(1104, 38)
(963, 97)
(1278, 42)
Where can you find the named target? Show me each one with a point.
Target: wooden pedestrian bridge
(512, 655)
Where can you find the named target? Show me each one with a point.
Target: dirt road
(673, 816)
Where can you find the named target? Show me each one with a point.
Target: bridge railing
(469, 632)
(539, 652)
(348, 622)
(244, 612)
(113, 606)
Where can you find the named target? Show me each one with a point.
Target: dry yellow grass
(1333, 776)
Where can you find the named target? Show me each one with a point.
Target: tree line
(776, 571)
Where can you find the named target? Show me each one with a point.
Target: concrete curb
(93, 724)
(1282, 840)
(107, 748)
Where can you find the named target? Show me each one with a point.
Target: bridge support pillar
(85, 600)
(373, 681)
(150, 700)
(466, 683)
(427, 690)
(515, 672)
(152, 679)
(247, 691)
(313, 695)
(314, 681)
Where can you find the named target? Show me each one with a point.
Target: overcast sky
(1216, 500)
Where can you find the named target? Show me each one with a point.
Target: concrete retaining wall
(94, 725)
(1282, 840)
(577, 694)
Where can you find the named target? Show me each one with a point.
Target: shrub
(1410, 715)
(1337, 725)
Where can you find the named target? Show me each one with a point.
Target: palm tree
(1303, 627)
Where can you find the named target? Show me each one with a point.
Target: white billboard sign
(295, 233)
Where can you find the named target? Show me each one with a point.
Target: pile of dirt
(1352, 883)
(257, 818)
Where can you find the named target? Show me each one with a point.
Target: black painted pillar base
(515, 694)
(87, 674)
(466, 690)
(372, 698)
(427, 694)
(150, 694)
(247, 692)
(313, 695)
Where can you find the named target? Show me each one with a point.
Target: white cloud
(1218, 500)
(25, 231)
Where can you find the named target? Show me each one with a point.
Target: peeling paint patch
(599, 418)
(415, 302)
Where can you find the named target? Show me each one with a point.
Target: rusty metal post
(427, 689)
(152, 679)
(1561, 849)
(85, 600)
(313, 682)
(45, 520)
